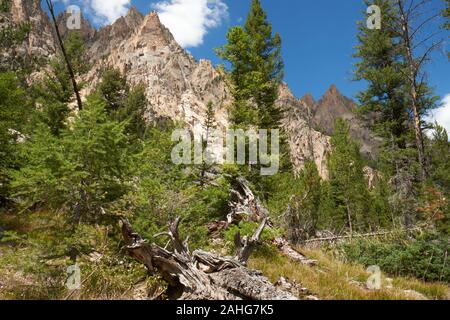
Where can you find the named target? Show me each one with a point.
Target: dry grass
(334, 280)
(24, 276)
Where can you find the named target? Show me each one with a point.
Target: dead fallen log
(284, 246)
(358, 236)
(202, 275)
(246, 205)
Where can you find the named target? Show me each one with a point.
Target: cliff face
(40, 41)
(178, 87)
(305, 142)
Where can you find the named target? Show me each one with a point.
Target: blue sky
(318, 36)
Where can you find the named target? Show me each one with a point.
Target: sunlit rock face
(178, 86)
(305, 142)
(40, 42)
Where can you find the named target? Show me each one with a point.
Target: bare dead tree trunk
(203, 275)
(64, 53)
(408, 34)
(245, 203)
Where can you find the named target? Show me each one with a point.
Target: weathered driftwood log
(203, 275)
(286, 248)
(245, 204)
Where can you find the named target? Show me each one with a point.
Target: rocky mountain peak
(332, 106)
(87, 32)
(153, 33)
(335, 101)
(308, 100)
(332, 90)
(134, 13)
(111, 36)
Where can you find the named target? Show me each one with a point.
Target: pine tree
(384, 105)
(440, 158)
(54, 93)
(115, 90)
(209, 125)
(257, 70)
(83, 171)
(15, 113)
(125, 103)
(134, 112)
(383, 102)
(302, 216)
(412, 20)
(348, 185)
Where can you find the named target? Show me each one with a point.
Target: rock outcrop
(40, 41)
(305, 142)
(88, 33)
(178, 86)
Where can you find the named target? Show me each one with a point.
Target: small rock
(415, 295)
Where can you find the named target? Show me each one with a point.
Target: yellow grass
(334, 280)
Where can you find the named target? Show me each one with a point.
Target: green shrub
(248, 229)
(423, 257)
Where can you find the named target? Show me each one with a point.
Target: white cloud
(102, 12)
(442, 115)
(109, 11)
(189, 20)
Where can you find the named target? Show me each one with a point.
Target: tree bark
(203, 275)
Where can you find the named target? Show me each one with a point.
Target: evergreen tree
(54, 93)
(254, 53)
(440, 158)
(83, 171)
(136, 106)
(257, 70)
(15, 112)
(302, 216)
(383, 102)
(125, 103)
(412, 20)
(348, 185)
(209, 125)
(115, 90)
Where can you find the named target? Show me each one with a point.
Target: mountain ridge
(179, 87)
